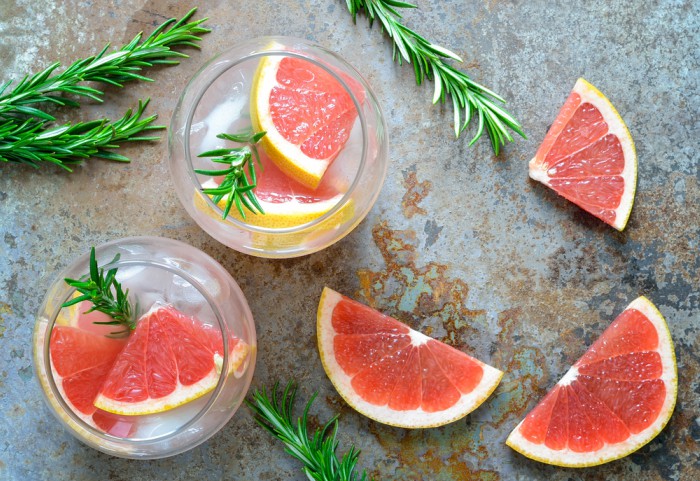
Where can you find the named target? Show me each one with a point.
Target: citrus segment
(588, 157)
(170, 359)
(616, 398)
(307, 113)
(393, 374)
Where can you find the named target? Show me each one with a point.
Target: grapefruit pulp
(170, 359)
(615, 399)
(307, 113)
(588, 157)
(393, 374)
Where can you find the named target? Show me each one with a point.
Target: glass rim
(213, 394)
(281, 53)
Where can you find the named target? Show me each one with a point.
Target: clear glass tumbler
(157, 271)
(234, 92)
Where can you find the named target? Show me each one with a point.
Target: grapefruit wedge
(588, 157)
(393, 374)
(306, 112)
(613, 401)
(169, 360)
(80, 361)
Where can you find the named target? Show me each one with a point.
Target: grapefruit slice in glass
(393, 374)
(285, 202)
(615, 399)
(307, 113)
(588, 157)
(170, 359)
(80, 361)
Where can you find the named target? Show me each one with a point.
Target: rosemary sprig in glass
(32, 142)
(237, 187)
(114, 68)
(429, 63)
(105, 294)
(318, 452)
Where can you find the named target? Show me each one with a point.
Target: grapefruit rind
(612, 452)
(539, 170)
(288, 157)
(417, 418)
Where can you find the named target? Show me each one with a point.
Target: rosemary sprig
(428, 63)
(317, 453)
(237, 187)
(114, 68)
(31, 142)
(100, 289)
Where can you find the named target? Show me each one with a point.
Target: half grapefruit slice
(588, 157)
(307, 113)
(613, 401)
(170, 359)
(393, 374)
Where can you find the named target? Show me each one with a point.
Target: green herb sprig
(428, 63)
(237, 187)
(26, 133)
(105, 294)
(114, 68)
(31, 142)
(318, 452)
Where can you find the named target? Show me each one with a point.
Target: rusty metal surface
(460, 245)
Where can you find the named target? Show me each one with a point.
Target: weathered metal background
(460, 244)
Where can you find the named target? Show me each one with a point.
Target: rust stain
(437, 455)
(526, 375)
(4, 309)
(424, 296)
(415, 193)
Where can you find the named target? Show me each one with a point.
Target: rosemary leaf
(32, 142)
(428, 62)
(237, 187)
(316, 452)
(114, 69)
(100, 290)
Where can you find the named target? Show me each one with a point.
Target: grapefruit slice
(80, 361)
(285, 202)
(613, 401)
(170, 359)
(393, 374)
(307, 113)
(588, 157)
